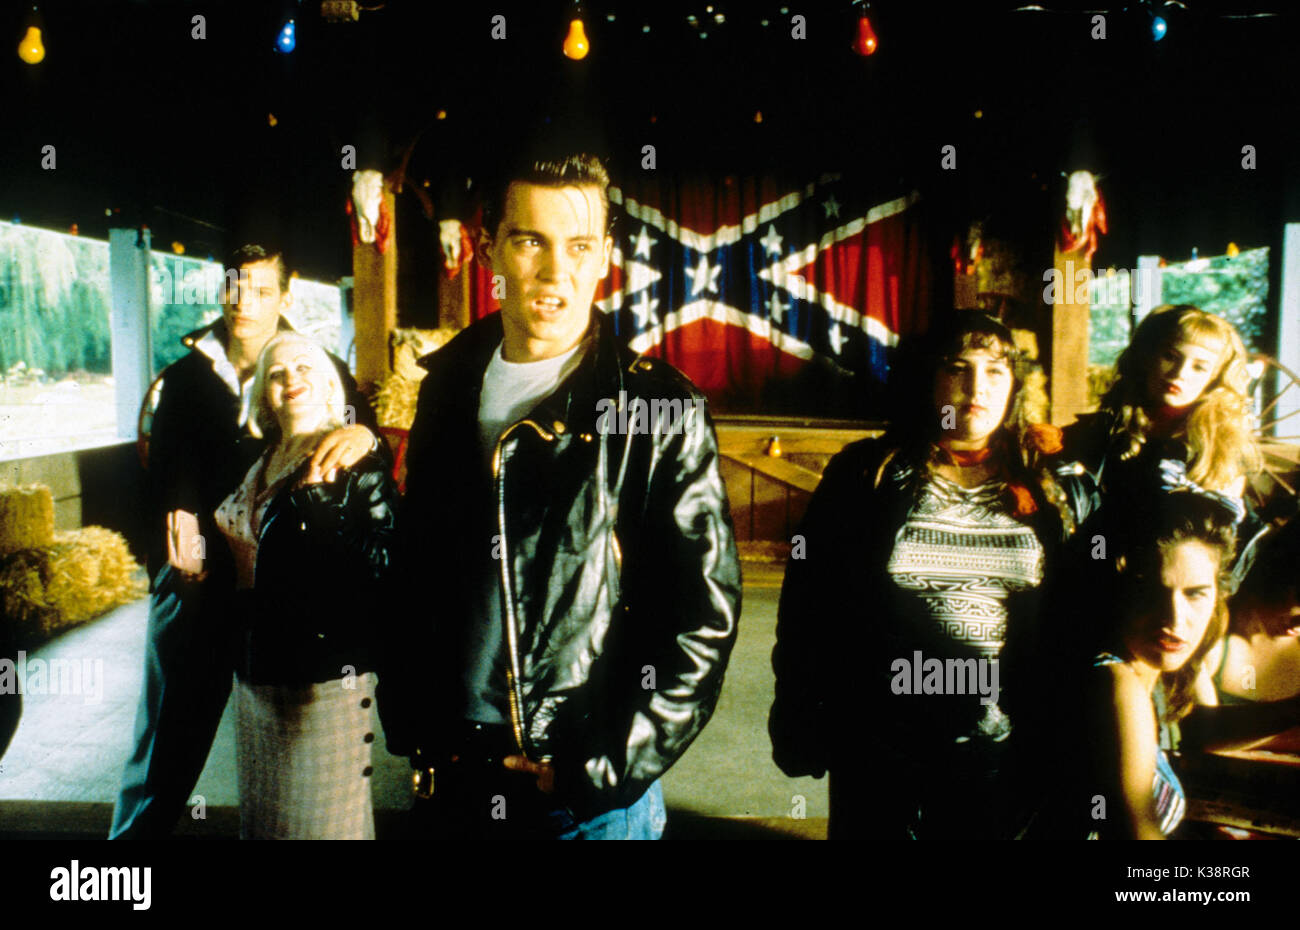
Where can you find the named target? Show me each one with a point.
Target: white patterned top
(962, 553)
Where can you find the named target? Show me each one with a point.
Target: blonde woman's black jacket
(619, 574)
(319, 600)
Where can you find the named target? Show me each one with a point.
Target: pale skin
(1263, 666)
(252, 315)
(1265, 652)
(299, 393)
(1180, 376)
(977, 385)
(552, 250)
(1161, 639)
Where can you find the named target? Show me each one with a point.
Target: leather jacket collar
(572, 406)
(218, 328)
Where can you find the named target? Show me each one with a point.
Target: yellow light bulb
(31, 49)
(576, 45)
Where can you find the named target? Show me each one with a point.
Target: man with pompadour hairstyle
(199, 451)
(575, 589)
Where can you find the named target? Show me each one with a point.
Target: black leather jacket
(319, 597)
(620, 581)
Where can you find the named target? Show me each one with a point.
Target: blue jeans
(187, 680)
(466, 800)
(644, 820)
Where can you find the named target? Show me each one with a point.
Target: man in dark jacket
(567, 529)
(199, 451)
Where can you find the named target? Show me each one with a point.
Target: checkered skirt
(304, 761)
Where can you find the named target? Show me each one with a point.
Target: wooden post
(374, 301)
(129, 273)
(453, 296)
(965, 294)
(1069, 376)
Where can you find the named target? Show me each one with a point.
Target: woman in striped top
(1172, 610)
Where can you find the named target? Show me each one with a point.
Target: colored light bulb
(31, 49)
(865, 43)
(287, 41)
(1158, 28)
(576, 45)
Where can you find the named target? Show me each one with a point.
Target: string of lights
(1159, 18)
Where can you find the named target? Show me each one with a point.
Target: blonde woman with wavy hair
(311, 561)
(1178, 415)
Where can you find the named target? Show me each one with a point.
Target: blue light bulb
(287, 40)
(1158, 28)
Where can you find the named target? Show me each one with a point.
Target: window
(56, 386)
(57, 390)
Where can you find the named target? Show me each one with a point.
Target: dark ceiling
(175, 132)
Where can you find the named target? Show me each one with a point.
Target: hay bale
(26, 518)
(410, 345)
(395, 399)
(83, 574)
(23, 606)
(91, 571)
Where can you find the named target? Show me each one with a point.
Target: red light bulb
(865, 43)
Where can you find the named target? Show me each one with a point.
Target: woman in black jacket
(927, 549)
(1178, 417)
(310, 562)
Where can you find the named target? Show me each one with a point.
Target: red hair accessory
(1024, 501)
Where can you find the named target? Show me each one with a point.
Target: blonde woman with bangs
(310, 559)
(1177, 417)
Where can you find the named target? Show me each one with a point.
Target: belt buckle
(422, 784)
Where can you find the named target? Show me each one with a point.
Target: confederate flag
(766, 295)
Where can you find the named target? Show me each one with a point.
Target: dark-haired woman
(930, 545)
(1170, 609)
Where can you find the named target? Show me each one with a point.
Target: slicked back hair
(251, 252)
(579, 169)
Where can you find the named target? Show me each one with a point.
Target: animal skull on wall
(367, 198)
(1085, 214)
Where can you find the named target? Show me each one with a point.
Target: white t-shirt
(512, 389)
